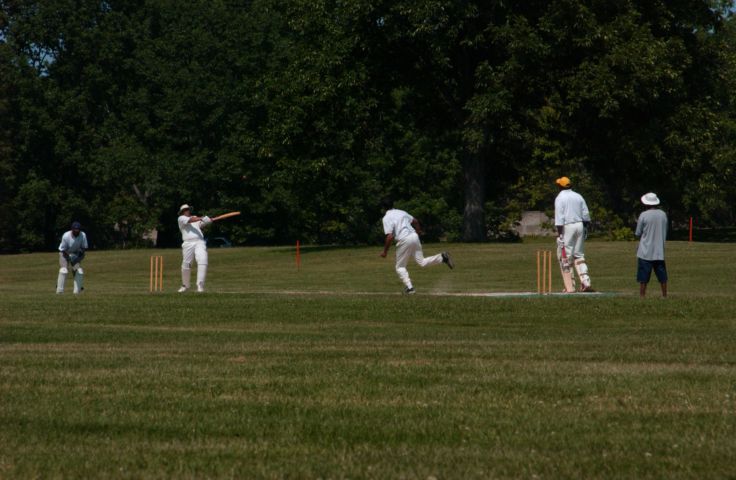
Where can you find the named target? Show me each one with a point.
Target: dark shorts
(645, 267)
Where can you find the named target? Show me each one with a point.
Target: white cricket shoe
(200, 287)
(182, 289)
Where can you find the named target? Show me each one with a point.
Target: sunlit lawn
(329, 372)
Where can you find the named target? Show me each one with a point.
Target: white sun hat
(184, 207)
(650, 199)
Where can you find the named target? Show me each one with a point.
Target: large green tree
(623, 96)
(631, 103)
(305, 114)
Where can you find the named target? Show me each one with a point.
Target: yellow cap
(564, 182)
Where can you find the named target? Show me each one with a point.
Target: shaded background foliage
(304, 114)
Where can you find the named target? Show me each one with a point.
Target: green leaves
(304, 114)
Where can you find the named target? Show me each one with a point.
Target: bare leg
(642, 290)
(664, 289)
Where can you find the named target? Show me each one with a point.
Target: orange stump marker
(544, 272)
(156, 274)
(298, 256)
(539, 269)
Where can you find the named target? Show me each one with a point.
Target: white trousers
(574, 240)
(405, 249)
(64, 267)
(194, 250)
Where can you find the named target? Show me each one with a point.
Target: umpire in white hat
(651, 228)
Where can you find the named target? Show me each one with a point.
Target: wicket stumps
(544, 272)
(156, 275)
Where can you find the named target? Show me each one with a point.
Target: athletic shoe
(409, 291)
(446, 258)
(182, 289)
(200, 288)
(588, 289)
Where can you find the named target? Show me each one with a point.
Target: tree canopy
(305, 114)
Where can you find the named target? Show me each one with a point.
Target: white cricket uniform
(194, 247)
(570, 212)
(398, 223)
(71, 245)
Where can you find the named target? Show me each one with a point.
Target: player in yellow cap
(572, 219)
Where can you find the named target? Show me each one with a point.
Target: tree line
(305, 114)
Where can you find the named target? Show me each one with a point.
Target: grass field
(328, 372)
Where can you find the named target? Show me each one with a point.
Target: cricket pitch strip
(430, 293)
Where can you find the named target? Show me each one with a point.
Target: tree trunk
(474, 219)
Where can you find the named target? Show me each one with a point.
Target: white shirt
(190, 232)
(71, 244)
(570, 207)
(398, 223)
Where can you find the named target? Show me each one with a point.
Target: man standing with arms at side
(193, 247)
(572, 219)
(651, 228)
(402, 227)
(71, 252)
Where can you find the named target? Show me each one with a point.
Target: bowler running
(404, 229)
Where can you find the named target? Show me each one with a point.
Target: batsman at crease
(193, 247)
(571, 220)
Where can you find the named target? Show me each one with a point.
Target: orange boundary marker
(298, 256)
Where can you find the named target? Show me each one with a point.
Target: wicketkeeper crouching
(71, 252)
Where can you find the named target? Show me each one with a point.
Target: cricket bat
(566, 273)
(225, 215)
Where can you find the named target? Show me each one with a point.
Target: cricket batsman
(193, 247)
(572, 219)
(404, 229)
(71, 252)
